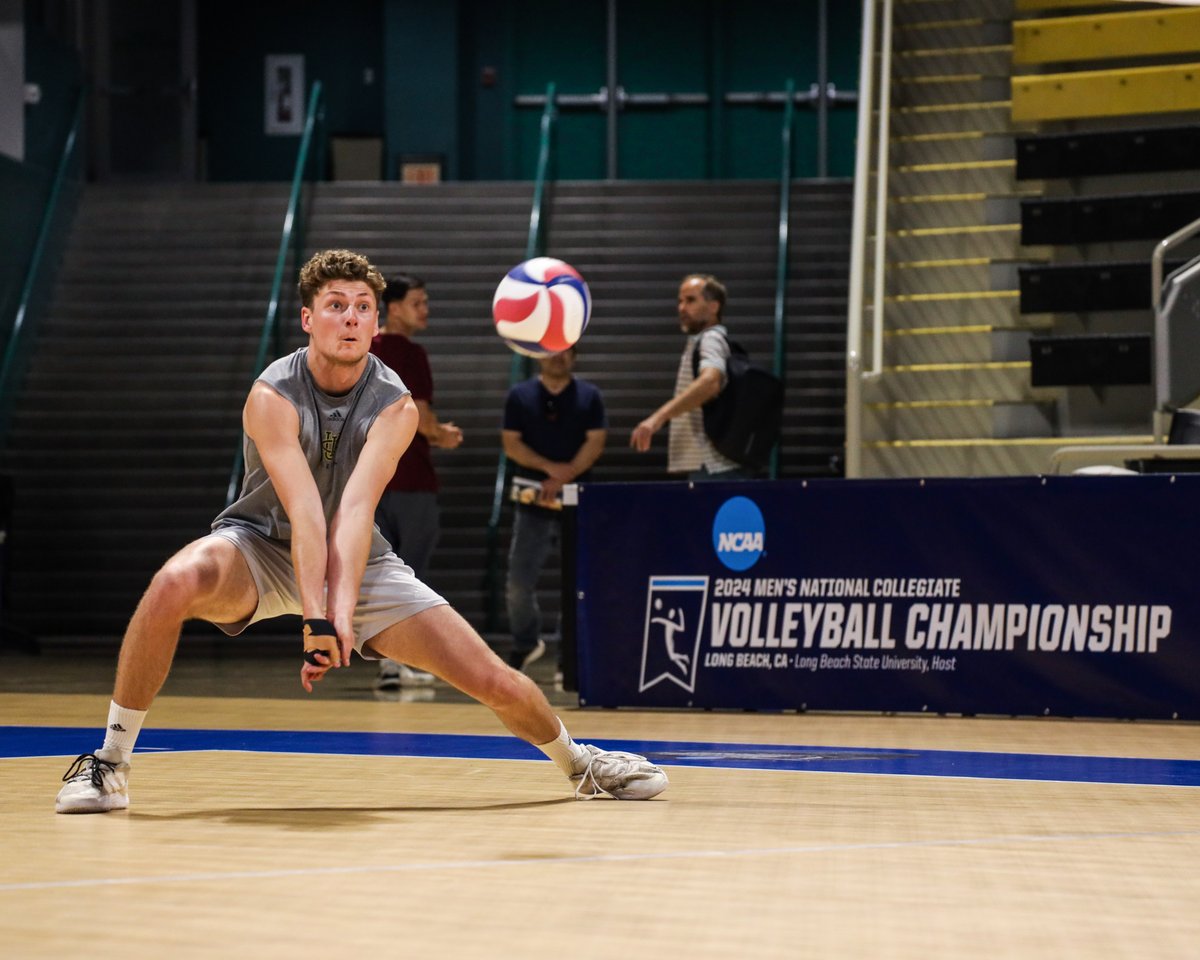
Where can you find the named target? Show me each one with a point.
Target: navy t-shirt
(554, 425)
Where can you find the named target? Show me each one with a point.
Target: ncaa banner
(1070, 596)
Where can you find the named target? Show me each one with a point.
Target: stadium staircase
(125, 429)
(1017, 291)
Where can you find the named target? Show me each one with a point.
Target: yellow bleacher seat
(1107, 35)
(1106, 93)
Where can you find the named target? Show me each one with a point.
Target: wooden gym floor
(265, 823)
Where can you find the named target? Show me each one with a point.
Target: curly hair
(327, 265)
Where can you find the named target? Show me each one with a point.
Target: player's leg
(439, 640)
(208, 579)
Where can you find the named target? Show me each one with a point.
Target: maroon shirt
(415, 470)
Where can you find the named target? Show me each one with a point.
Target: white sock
(122, 731)
(564, 751)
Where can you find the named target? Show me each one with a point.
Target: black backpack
(745, 419)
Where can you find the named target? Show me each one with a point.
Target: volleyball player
(324, 428)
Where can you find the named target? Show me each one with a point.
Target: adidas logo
(336, 415)
(116, 728)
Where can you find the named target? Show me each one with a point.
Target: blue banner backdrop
(1069, 596)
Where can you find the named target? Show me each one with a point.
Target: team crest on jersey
(671, 640)
(329, 445)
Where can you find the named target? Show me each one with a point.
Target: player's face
(695, 313)
(342, 321)
(411, 313)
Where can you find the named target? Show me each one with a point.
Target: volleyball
(542, 306)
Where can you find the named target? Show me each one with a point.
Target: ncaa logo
(738, 533)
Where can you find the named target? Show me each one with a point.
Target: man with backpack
(704, 373)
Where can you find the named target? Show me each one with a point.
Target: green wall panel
(341, 51)
(446, 75)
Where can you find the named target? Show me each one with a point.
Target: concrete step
(992, 240)
(998, 380)
(923, 11)
(952, 210)
(957, 420)
(961, 344)
(984, 116)
(951, 308)
(959, 147)
(948, 88)
(988, 177)
(954, 32)
(958, 458)
(992, 59)
(943, 276)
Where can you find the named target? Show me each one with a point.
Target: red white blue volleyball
(542, 306)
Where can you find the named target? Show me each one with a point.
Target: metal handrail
(1161, 333)
(518, 366)
(882, 135)
(781, 259)
(291, 235)
(32, 272)
(855, 373)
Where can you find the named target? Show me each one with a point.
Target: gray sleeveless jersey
(332, 433)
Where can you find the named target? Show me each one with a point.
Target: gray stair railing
(781, 260)
(1176, 329)
(871, 128)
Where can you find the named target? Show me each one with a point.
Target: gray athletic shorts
(390, 592)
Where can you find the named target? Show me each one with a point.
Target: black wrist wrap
(318, 627)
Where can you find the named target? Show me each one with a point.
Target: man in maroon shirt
(407, 514)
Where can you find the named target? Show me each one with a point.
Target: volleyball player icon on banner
(674, 620)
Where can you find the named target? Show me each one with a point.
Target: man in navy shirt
(554, 430)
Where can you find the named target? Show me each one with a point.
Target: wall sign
(284, 102)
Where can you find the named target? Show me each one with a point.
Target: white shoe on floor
(616, 774)
(394, 675)
(94, 784)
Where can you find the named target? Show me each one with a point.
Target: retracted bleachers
(1095, 219)
(1109, 95)
(1075, 287)
(1103, 152)
(953, 397)
(971, 378)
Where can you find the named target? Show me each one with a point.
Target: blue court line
(31, 741)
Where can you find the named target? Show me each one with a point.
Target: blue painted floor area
(28, 741)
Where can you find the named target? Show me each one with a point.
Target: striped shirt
(688, 447)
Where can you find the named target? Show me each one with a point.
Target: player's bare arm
(274, 426)
(351, 529)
